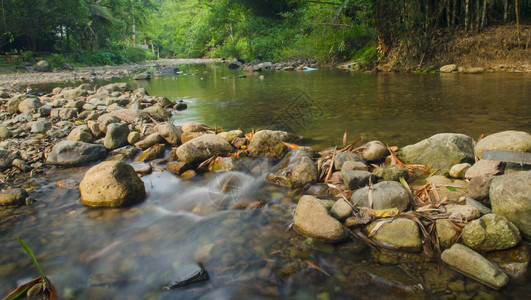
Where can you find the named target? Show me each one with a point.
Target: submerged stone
(186, 275)
(296, 170)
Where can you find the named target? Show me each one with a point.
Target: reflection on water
(131, 253)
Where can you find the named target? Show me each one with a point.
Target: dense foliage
(110, 31)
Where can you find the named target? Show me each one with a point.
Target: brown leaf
(315, 266)
(331, 165)
(290, 145)
(345, 139)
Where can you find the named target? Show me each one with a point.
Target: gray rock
(400, 234)
(478, 187)
(386, 194)
(517, 141)
(105, 120)
(177, 167)
(21, 165)
(67, 113)
(510, 197)
(187, 274)
(72, 153)
(440, 151)
(490, 233)
(311, 219)
(268, 143)
(116, 136)
(5, 133)
(389, 173)
(453, 189)
(111, 184)
(150, 140)
(341, 209)
(458, 171)
(375, 151)
(12, 105)
(482, 208)
(40, 126)
(462, 212)
(233, 65)
(353, 179)
(29, 105)
(447, 232)
(344, 156)
(448, 68)
(81, 134)
(6, 158)
(319, 245)
(142, 76)
(485, 167)
(296, 170)
(231, 135)
(133, 137)
(13, 197)
(73, 93)
(354, 165)
(158, 111)
(169, 132)
(130, 115)
(202, 148)
(164, 102)
(43, 66)
(194, 127)
(471, 263)
(153, 152)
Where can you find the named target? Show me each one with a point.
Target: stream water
(132, 253)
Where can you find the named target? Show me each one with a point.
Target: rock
(400, 234)
(111, 184)
(81, 134)
(354, 179)
(375, 151)
(234, 65)
(478, 187)
(180, 106)
(462, 212)
(186, 275)
(13, 197)
(354, 165)
(510, 197)
(6, 158)
(389, 173)
(344, 156)
(158, 111)
(188, 174)
(164, 102)
(150, 140)
(43, 66)
(386, 194)
(21, 165)
(448, 68)
(153, 152)
(440, 151)
(169, 132)
(67, 113)
(142, 76)
(177, 167)
(341, 209)
(194, 127)
(202, 148)
(231, 135)
(12, 105)
(169, 71)
(116, 136)
(94, 128)
(296, 170)
(470, 263)
(319, 245)
(513, 262)
(67, 67)
(447, 232)
(29, 105)
(516, 141)
(73, 93)
(458, 171)
(188, 136)
(311, 219)
(490, 233)
(40, 126)
(130, 115)
(453, 189)
(5, 133)
(268, 143)
(474, 70)
(141, 168)
(133, 137)
(485, 167)
(72, 153)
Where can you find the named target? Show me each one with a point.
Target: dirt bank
(20, 80)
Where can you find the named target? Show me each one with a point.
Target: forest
(98, 32)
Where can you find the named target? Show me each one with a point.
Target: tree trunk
(478, 16)
(454, 11)
(383, 19)
(448, 9)
(484, 14)
(517, 19)
(505, 10)
(467, 14)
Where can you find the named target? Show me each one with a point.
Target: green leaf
(451, 189)
(34, 259)
(23, 291)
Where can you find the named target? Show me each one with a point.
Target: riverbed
(132, 253)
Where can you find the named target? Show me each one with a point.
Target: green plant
(27, 55)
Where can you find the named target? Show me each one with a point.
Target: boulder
(482, 208)
(5, 133)
(400, 234)
(353, 179)
(385, 195)
(142, 76)
(440, 151)
(116, 136)
(133, 137)
(344, 156)
(111, 184)
(478, 187)
(73, 93)
(448, 68)
(485, 167)
(40, 126)
(474, 70)
(194, 127)
(354, 165)
(389, 173)
(510, 197)
(190, 135)
(81, 134)
(12, 105)
(150, 140)
(516, 141)
(462, 212)
(471, 263)
(490, 233)
(202, 148)
(341, 209)
(375, 151)
(453, 189)
(296, 170)
(311, 219)
(158, 110)
(29, 105)
(153, 152)
(234, 65)
(169, 132)
(72, 153)
(231, 135)
(43, 66)
(513, 262)
(13, 197)
(458, 171)
(268, 143)
(177, 167)
(447, 232)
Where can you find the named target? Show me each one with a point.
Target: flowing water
(132, 253)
